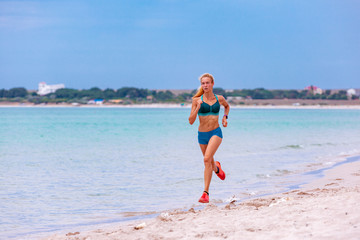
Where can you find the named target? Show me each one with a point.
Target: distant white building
(351, 92)
(46, 89)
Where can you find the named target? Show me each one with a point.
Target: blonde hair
(200, 91)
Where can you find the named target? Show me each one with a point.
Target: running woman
(207, 105)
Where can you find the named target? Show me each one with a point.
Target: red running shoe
(204, 198)
(221, 173)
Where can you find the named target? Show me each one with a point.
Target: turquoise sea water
(67, 167)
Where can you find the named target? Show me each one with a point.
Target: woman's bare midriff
(208, 123)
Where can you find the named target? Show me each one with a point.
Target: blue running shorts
(204, 137)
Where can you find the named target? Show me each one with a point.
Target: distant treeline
(261, 93)
(138, 95)
(128, 94)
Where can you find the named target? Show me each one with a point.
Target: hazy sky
(167, 44)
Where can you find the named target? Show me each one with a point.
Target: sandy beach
(327, 208)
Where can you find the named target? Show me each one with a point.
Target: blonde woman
(207, 105)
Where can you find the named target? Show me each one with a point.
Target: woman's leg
(203, 150)
(209, 153)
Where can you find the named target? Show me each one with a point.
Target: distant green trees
(340, 95)
(19, 92)
(130, 93)
(261, 93)
(67, 93)
(97, 93)
(139, 95)
(164, 96)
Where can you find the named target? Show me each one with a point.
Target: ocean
(66, 167)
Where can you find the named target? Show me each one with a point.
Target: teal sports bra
(206, 109)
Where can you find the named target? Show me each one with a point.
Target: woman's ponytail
(199, 92)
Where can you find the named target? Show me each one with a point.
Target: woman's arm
(194, 110)
(223, 102)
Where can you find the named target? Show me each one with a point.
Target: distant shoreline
(250, 104)
(255, 103)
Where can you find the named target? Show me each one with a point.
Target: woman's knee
(207, 160)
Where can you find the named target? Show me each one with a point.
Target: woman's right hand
(194, 110)
(199, 102)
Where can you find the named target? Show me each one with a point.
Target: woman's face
(206, 84)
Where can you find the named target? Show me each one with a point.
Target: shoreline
(327, 207)
(178, 105)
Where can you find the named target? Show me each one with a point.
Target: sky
(168, 44)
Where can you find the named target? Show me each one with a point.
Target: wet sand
(327, 208)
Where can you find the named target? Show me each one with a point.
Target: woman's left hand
(224, 121)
